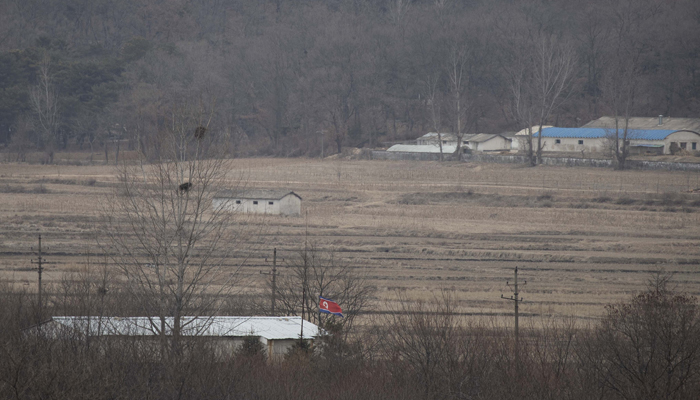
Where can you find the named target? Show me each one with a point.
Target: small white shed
(487, 142)
(259, 201)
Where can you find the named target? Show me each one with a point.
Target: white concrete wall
(680, 137)
(590, 145)
(601, 145)
(497, 143)
(288, 205)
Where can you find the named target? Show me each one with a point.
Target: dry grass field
(582, 237)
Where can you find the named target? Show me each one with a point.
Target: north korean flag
(329, 306)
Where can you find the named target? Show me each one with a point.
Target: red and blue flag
(329, 306)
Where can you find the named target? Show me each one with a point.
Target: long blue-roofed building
(670, 136)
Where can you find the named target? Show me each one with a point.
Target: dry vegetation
(582, 237)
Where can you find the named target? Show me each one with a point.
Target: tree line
(647, 347)
(288, 75)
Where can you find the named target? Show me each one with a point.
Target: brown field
(582, 237)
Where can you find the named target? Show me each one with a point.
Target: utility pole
(322, 145)
(515, 300)
(274, 279)
(40, 268)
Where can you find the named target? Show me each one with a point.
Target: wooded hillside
(282, 73)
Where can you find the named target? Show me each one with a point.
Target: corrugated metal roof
(422, 148)
(535, 129)
(270, 328)
(262, 194)
(597, 133)
(434, 135)
(651, 123)
(480, 137)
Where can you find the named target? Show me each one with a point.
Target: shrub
(251, 347)
(41, 189)
(7, 188)
(649, 347)
(624, 200)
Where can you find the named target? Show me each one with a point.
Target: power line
(515, 299)
(40, 268)
(274, 274)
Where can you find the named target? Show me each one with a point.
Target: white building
(433, 138)
(471, 141)
(598, 140)
(422, 148)
(520, 139)
(487, 142)
(276, 334)
(259, 201)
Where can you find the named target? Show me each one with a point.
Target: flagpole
(303, 283)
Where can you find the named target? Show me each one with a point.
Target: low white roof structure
(444, 136)
(481, 137)
(255, 194)
(422, 148)
(269, 328)
(535, 129)
(649, 123)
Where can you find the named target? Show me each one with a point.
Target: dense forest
(283, 76)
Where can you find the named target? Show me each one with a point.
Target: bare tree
(649, 346)
(163, 232)
(44, 100)
(427, 340)
(433, 99)
(540, 76)
(459, 81)
(623, 72)
(315, 273)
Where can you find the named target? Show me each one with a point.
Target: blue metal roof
(595, 133)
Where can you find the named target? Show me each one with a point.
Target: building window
(238, 202)
(271, 203)
(255, 202)
(580, 142)
(684, 145)
(557, 141)
(695, 146)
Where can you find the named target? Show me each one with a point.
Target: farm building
(471, 141)
(277, 334)
(422, 148)
(596, 140)
(278, 202)
(649, 123)
(487, 142)
(519, 139)
(431, 138)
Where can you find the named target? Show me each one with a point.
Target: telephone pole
(515, 300)
(274, 279)
(40, 268)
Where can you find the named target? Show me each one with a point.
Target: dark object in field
(199, 132)
(185, 186)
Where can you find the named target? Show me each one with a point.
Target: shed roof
(668, 123)
(422, 148)
(443, 135)
(262, 194)
(270, 328)
(481, 137)
(597, 133)
(535, 129)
